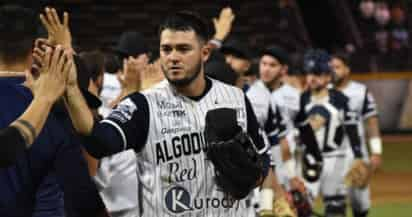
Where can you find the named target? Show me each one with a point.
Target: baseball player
(165, 127)
(272, 65)
(327, 126)
(287, 99)
(362, 102)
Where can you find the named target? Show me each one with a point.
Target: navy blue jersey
(34, 185)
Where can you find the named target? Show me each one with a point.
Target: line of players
(312, 94)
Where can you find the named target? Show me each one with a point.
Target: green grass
(397, 157)
(392, 209)
(382, 210)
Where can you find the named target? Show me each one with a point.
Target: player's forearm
(375, 141)
(372, 127)
(32, 120)
(79, 112)
(354, 139)
(271, 182)
(284, 146)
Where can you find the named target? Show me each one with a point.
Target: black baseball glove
(238, 166)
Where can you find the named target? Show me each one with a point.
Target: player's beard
(184, 81)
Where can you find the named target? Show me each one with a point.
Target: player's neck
(275, 84)
(295, 82)
(194, 89)
(12, 70)
(342, 85)
(320, 94)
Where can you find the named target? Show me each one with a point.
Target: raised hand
(223, 24)
(152, 75)
(58, 32)
(132, 75)
(55, 67)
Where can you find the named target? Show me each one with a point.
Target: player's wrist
(375, 144)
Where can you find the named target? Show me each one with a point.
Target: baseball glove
(238, 166)
(281, 208)
(358, 175)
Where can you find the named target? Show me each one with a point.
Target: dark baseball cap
(131, 43)
(237, 49)
(280, 54)
(316, 61)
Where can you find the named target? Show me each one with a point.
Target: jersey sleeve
(351, 128)
(369, 107)
(275, 126)
(254, 130)
(131, 119)
(126, 127)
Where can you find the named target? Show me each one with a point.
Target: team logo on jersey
(124, 111)
(178, 200)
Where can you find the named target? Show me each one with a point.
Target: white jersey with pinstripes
(176, 179)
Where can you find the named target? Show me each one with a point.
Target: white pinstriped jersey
(175, 178)
(362, 102)
(287, 98)
(267, 114)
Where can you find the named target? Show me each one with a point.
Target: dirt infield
(388, 187)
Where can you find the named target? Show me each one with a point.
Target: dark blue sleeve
(80, 193)
(12, 145)
(126, 127)
(253, 129)
(275, 126)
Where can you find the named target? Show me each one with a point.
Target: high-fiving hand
(58, 32)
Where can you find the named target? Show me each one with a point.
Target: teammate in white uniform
(327, 127)
(272, 65)
(165, 127)
(362, 102)
(287, 99)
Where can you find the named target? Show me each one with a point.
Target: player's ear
(205, 52)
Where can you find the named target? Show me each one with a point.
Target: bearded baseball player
(362, 102)
(187, 166)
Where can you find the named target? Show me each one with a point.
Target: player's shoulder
(258, 89)
(357, 86)
(338, 98)
(220, 86)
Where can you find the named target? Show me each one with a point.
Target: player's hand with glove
(238, 166)
(358, 175)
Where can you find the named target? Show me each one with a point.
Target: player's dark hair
(187, 21)
(94, 61)
(342, 56)
(18, 30)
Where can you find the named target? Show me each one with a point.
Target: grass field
(392, 185)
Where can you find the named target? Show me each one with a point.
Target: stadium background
(379, 56)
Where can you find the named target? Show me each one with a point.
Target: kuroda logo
(178, 200)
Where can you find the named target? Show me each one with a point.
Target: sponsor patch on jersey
(124, 111)
(178, 200)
